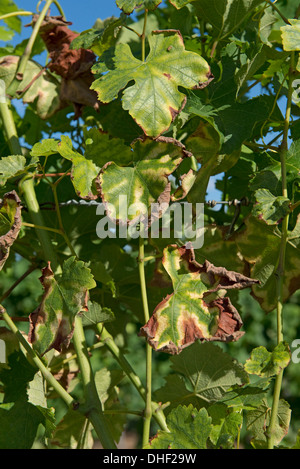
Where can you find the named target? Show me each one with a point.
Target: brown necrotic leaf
(65, 296)
(198, 308)
(10, 223)
(74, 66)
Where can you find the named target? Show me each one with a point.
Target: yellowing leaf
(154, 99)
(197, 309)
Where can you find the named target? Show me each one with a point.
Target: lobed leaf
(189, 428)
(265, 364)
(129, 5)
(260, 246)
(197, 309)
(291, 35)
(269, 208)
(154, 99)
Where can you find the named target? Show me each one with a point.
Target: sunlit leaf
(198, 308)
(154, 100)
(291, 35)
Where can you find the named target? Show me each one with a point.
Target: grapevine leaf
(70, 430)
(65, 296)
(189, 428)
(44, 91)
(96, 314)
(265, 364)
(197, 309)
(11, 166)
(260, 246)
(154, 100)
(269, 208)
(226, 424)
(225, 16)
(101, 39)
(258, 421)
(10, 224)
(15, 418)
(203, 373)
(83, 172)
(291, 35)
(13, 22)
(143, 183)
(129, 5)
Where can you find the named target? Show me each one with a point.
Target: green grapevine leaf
(197, 309)
(260, 246)
(203, 373)
(129, 5)
(270, 208)
(226, 424)
(258, 421)
(101, 39)
(10, 224)
(266, 364)
(154, 100)
(189, 429)
(291, 35)
(23, 415)
(64, 297)
(225, 16)
(11, 166)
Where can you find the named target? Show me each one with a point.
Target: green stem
(33, 357)
(17, 282)
(282, 256)
(27, 185)
(28, 189)
(94, 411)
(27, 52)
(143, 36)
(148, 407)
(108, 341)
(16, 13)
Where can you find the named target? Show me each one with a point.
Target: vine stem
(143, 36)
(108, 341)
(148, 400)
(33, 357)
(15, 13)
(94, 411)
(95, 414)
(272, 4)
(281, 264)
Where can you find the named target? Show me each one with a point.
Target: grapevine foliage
(156, 105)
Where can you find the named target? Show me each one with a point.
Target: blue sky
(83, 14)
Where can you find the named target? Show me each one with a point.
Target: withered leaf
(10, 223)
(198, 308)
(65, 296)
(74, 66)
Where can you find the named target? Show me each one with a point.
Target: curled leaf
(198, 308)
(10, 224)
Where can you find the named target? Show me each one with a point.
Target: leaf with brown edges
(198, 308)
